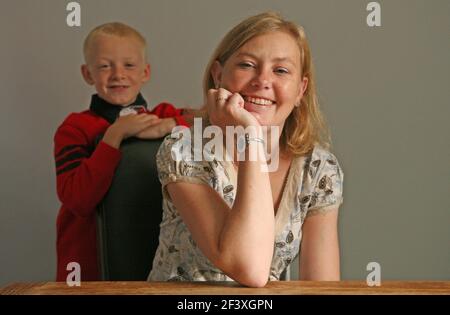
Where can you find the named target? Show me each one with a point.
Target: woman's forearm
(247, 237)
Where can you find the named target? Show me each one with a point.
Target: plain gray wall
(384, 91)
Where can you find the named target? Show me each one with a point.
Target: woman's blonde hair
(305, 126)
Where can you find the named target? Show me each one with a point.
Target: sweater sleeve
(166, 110)
(82, 179)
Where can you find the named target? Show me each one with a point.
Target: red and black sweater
(84, 172)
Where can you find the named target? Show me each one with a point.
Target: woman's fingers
(222, 96)
(236, 100)
(218, 96)
(217, 100)
(226, 108)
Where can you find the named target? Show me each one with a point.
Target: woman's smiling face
(266, 71)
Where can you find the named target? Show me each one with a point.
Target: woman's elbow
(255, 282)
(251, 276)
(244, 270)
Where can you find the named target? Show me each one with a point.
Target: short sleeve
(175, 161)
(325, 182)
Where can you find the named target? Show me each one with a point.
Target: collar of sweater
(110, 111)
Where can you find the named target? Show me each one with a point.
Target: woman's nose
(262, 80)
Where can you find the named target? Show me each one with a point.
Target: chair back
(129, 216)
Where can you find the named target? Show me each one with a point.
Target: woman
(230, 220)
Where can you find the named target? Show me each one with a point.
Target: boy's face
(116, 67)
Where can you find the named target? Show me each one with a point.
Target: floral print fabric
(314, 183)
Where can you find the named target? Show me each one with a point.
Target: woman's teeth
(258, 101)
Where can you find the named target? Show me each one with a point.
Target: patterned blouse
(314, 183)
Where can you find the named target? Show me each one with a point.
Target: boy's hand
(128, 126)
(158, 130)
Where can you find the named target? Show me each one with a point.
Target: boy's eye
(103, 66)
(129, 65)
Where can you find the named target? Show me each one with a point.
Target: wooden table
(229, 288)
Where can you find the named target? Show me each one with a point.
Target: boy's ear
(216, 73)
(87, 75)
(147, 71)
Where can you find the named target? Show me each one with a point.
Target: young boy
(115, 57)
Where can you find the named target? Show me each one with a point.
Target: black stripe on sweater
(69, 148)
(68, 168)
(70, 157)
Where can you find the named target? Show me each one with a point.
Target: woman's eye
(281, 70)
(245, 65)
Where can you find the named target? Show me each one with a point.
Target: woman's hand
(227, 109)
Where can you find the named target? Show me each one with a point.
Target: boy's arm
(82, 178)
(170, 117)
(159, 130)
(166, 110)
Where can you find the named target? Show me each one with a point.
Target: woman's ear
(87, 75)
(216, 73)
(302, 89)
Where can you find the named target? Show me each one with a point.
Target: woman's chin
(261, 113)
(262, 119)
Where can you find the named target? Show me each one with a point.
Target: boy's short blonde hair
(115, 29)
(305, 127)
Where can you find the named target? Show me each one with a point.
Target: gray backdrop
(385, 93)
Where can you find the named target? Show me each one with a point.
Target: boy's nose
(118, 73)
